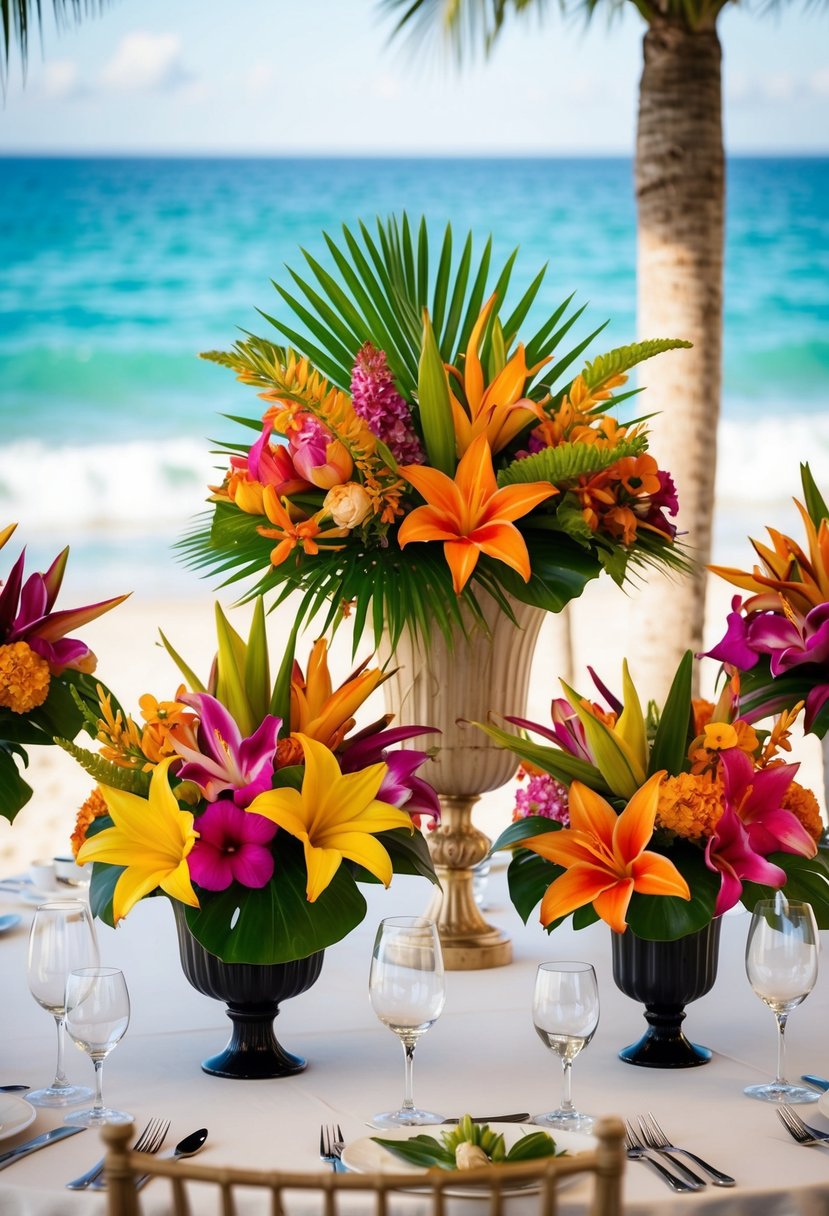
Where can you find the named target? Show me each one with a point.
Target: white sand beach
(131, 661)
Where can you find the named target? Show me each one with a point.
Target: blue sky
(318, 76)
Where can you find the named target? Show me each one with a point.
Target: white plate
(364, 1156)
(15, 1114)
(823, 1104)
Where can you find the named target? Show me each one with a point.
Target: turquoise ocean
(116, 273)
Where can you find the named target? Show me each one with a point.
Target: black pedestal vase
(253, 994)
(665, 977)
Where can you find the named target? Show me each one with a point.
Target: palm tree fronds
(19, 16)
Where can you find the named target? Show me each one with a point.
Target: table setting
(256, 846)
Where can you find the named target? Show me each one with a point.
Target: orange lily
(470, 514)
(292, 535)
(499, 410)
(319, 712)
(605, 856)
(802, 579)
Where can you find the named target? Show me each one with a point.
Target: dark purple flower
(400, 786)
(232, 847)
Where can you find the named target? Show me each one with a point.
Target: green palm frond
(376, 292)
(19, 16)
(569, 461)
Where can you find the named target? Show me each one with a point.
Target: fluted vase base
(665, 977)
(253, 994)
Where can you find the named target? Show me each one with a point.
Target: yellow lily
(470, 514)
(605, 857)
(335, 815)
(316, 709)
(499, 410)
(620, 751)
(151, 837)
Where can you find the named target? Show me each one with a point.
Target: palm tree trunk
(680, 190)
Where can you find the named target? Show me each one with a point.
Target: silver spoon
(187, 1147)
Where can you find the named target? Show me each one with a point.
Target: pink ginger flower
(377, 401)
(545, 796)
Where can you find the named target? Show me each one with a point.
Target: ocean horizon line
(436, 157)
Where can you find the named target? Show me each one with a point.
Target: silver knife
(817, 1082)
(31, 1146)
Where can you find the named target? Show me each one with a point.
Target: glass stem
(566, 1085)
(782, 1018)
(99, 1084)
(60, 1081)
(408, 1074)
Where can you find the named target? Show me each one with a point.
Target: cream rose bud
(348, 504)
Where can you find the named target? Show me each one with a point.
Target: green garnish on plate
(426, 1151)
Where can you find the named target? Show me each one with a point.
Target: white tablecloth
(482, 1056)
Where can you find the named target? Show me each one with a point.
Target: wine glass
(781, 964)
(406, 989)
(97, 1015)
(61, 938)
(565, 1016)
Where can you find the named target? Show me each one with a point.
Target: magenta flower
(665, 499)
(400, 786)
(377, 401)
(26, 616)
(271, 465)
(224, 760)
(232, 846)
(318, 457)
(567, 731)
(753, 824)
(729, 851)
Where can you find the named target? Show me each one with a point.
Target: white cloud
(60, 80)
(145, 62)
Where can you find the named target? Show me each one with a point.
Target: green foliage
(623, 358)
(673, 734)
(14, 791)
(132, 780)
(567, 462)
(426, 1151)
(814, 500)
(807, 879)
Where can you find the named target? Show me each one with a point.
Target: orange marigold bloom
(92, 809)
(639, 475)
(804, 806)
(24, 678)
(690, 805)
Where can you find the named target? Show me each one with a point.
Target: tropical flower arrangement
(413, 452)
(258, 808)
(44, 675)
(778, 638)
(674, 817)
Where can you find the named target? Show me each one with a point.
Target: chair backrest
(331, 1194)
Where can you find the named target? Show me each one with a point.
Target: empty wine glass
(61, 938)
(97, 1015)
(565, 1016)
(406, 989)
(781, 964)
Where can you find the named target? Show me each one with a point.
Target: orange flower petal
(426, 523)
(612, 905)
(462, 558)
(511, 502)
(654, 874)
(580, 885)
(475, 477)
(504, 542)
(634, 827)
(589, 812)
(438, 489)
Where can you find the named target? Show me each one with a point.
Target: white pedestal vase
(439, 684)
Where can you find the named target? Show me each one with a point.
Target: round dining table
(482, 1056)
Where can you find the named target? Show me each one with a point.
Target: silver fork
(153, 1134)
(637, 1151)
(655, 1138)
(331, 1147)
(800, 1131)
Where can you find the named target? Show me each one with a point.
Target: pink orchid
(729, 851)
(232, 846)
(224, 760)
(26, 616)
(271, 465)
